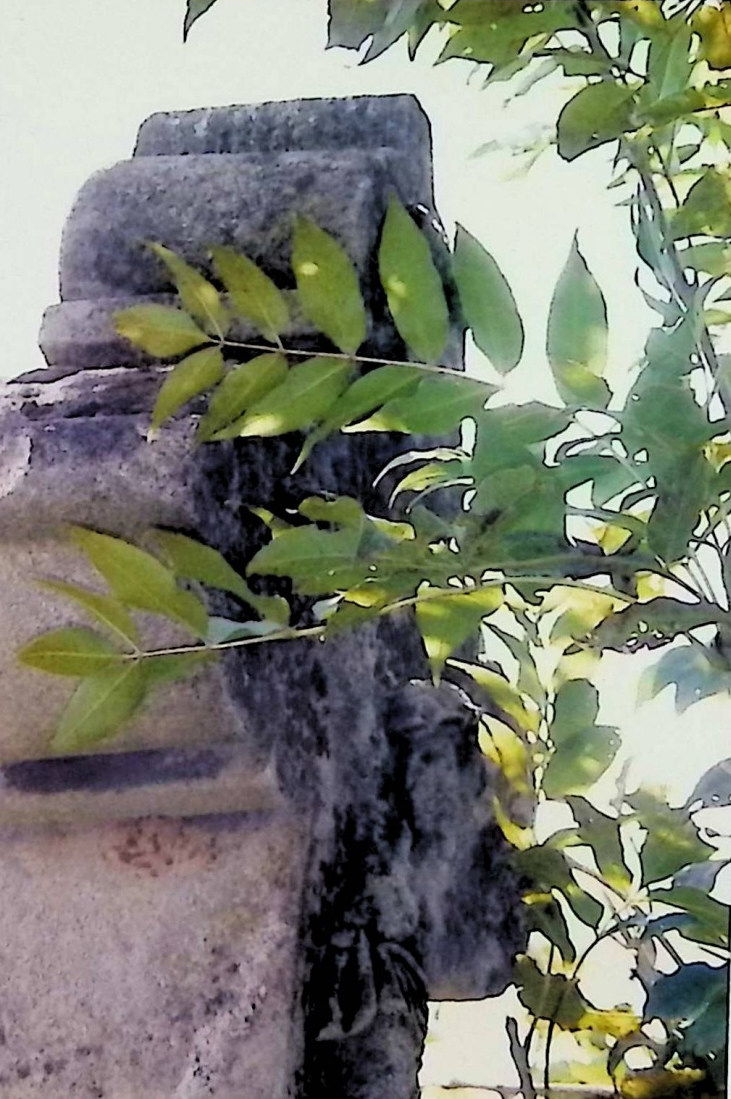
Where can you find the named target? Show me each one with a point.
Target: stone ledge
(246, 202)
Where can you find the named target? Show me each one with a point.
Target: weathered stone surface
(245, 201)
(151, 958)
(363, 122)
(252, 892)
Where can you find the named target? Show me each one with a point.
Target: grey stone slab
(152, 959)
(364, 122)
(246, 202)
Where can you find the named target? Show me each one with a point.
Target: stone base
(151, 958)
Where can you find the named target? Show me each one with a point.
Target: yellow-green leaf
(74, 650)
(140, 580)
(99, 708)
(446, 618)
(104, 608)
(438, 404)
(413, 285)
(327, 285)
(241, 387)
(252, 292)
(159, 330)
(502, 694)
(193, 560)
(194, 375)
(198, 295)
(577, 336)
(304, 397)
(487, 303)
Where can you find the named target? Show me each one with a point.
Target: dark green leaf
(672, 839)
(242, 387)
(194, 375)
(601, 832)
(139, 580)
(413, 285)
(597, 114)
(74, 650)
(194, 10)
(544, 914)
(327, 285)
(305, 396)
(706, 920)
(550, 995)
(103, 608)
(648, 625)
(487, 302)
(687, 993)
(198, 296)
(547, 868)
(99, 708)
(583, 750)
(577, 336)
(253, 294)
(159, 330)
(695, 673)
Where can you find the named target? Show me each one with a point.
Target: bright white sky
(78, 76)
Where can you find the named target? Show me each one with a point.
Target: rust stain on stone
(156, 846)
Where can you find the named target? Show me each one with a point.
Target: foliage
(566, 540)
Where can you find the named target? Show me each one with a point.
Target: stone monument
(253, 892)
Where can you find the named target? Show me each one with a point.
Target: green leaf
(366, 393)
(400, 16)
(687, 993)
(669, 65)
(547, 868)
(583, 750)
(352, 21)
(194, 375)
(252, 293)
(241, 388)
(104, 608)
(437, 405)
(550, 995)
(602, 833)
(544, 914)
(304, 397)
(597, 114)
(695, 673)
(413, 285)
(577, 62)
(198, 296)
(706, 919)
(159, 330)
(327, 285)
(672, 840)
(446, 618)
(318, 561)
(193, 560)
(577, 336)
(99, 708)
(74, 650)
(139, 580)
(487, 303)
(649, 625)
(502, 694)
(706, 210)
(194, 10)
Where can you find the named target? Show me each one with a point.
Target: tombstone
(252, 892)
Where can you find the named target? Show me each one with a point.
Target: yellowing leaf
(74, 650)
(252, 292)
(446, 618)
(487, 303)
(327, 285)
(303, 398)
(99, 708)
(194, 375)
(413, 285)
(501, 693)
(198, 296)
(241, 388)
(159, 330)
